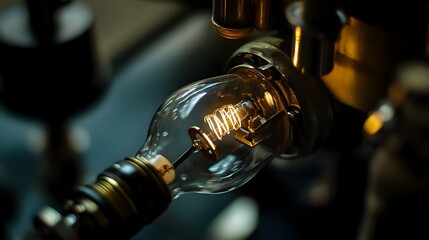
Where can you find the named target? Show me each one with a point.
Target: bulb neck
(307, 101)
(125, 197)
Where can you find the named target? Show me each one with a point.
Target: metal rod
(184, 156)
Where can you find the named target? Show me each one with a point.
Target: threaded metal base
(124, 198)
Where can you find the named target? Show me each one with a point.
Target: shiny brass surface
(313, 39)
(233, 19)
(231, 33)
(305, 96)
(251, 139)
(208, 148)
(355, 65)
(361, 65)
(264, 14)
(112, 191)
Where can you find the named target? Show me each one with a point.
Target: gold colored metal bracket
(252, 138)
(203, 143)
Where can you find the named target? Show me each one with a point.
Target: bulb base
(125, 197)
(308, 102)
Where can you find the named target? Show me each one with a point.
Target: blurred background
(140, 52)
(145, 50)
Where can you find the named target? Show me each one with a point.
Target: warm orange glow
(373, 123)
(269, 99)
(396, 93)
(296, 45)
(223, 120)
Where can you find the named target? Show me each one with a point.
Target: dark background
(149, 49)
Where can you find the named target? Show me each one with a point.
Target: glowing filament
(223, 120)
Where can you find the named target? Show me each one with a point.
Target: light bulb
(211, 136)
(214, 135)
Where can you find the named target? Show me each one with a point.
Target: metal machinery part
(353, 45)
(320, 55)
(49, 72)
(398, 189)
(125, 197)
(60, 35)
(305, 95)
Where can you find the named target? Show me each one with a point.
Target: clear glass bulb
(214, 135)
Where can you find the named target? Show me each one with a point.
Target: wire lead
(184, 156)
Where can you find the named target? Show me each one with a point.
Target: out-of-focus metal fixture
(398, 189)
(282, 95)
(49, 72)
